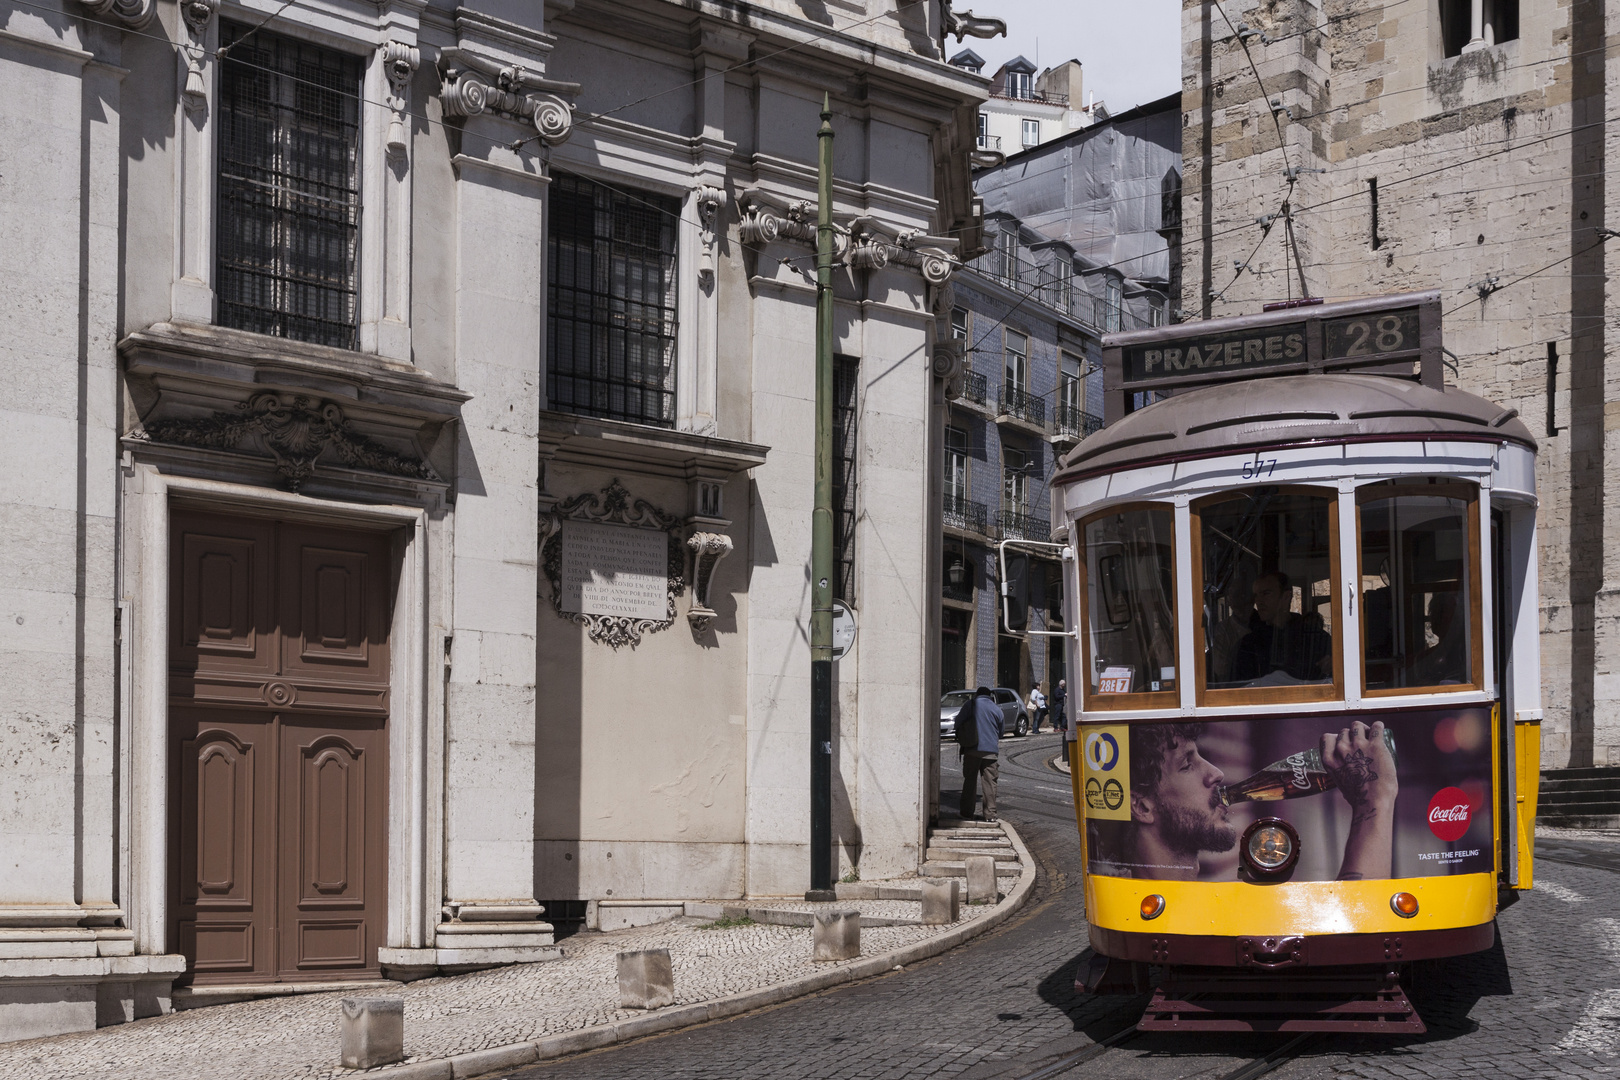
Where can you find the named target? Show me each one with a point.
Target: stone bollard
(373, 1031)
(836, 936)
(940, 902)
(646, 979)
(981, 879)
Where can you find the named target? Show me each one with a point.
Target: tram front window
(1267, 562)
(1416, 606)
(1130, 590)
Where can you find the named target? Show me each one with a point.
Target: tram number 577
(1259, 467)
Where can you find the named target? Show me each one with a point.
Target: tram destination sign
(1386, 335)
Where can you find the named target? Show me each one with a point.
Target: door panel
(334, 804)
(225, 843)
(278, 733)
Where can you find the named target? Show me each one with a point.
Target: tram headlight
(1270, 847)
(1404, 904)
(1152, 906)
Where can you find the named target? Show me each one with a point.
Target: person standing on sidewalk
(978, 733)
(1037, 708)
(1060, 701)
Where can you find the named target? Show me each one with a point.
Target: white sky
(1130, 49)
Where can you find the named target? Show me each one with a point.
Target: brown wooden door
(278, 708)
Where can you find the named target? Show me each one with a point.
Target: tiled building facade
(1030, 313)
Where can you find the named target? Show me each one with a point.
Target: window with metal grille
(289, 188)
(956, 464)
(610, 311)
(846, 412)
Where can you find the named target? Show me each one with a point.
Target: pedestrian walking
(979, 727)
(1037, 708)
(1060, 701)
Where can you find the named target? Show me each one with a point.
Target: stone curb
(480, 1062)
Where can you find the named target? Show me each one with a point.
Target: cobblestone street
(297, 1037)
(1545, 1002)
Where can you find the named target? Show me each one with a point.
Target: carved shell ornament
(613, 505)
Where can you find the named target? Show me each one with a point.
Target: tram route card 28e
(1377, 795)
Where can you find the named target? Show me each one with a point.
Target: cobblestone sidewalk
(297, 1037)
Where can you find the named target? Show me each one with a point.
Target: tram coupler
(1369, 1002)
(1111, 975)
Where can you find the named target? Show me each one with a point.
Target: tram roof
(1290, 409)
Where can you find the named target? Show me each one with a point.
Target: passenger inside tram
(1268, 588)
(1281, 641)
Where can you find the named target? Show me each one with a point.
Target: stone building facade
(411, 412)
(1079, 235)
(1341, 150)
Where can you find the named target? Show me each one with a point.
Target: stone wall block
(836, 936)
(646, 979)
(941, 902)
(373, 1031)
(981, 879)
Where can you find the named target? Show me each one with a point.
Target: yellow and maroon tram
(1306, 666)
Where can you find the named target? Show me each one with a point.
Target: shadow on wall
(559, 732)
(846, 830)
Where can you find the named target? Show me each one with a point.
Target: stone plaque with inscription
(615, 570)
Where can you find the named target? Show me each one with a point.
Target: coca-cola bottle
(1294, 777)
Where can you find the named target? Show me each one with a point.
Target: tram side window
(1130, 602)
(1267, 561)
(1416, 605)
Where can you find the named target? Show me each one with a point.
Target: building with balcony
(1026, 109)
(1081, 237)
(411, 406)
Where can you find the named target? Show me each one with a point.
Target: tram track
(1249, 1070)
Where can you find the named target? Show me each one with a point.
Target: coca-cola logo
(1450, 813)
(1296, 762)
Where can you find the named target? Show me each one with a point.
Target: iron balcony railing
(974, 387)
(1022, 405)
(989, 142)
(1075, 421)
(1044, 97)
(1012, 525)
(965, 515)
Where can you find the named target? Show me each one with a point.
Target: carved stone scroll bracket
(950, 364)
(707, 550)
(767, 218)
(710, 202)
(966, 24)
(613, 505)
(875, 246)
(399, 63)
(474, 85)
(296, 433)
(197, 15)
(132, 14)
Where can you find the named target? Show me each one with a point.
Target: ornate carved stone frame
(614, 505)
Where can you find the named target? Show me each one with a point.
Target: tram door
(1502, 602)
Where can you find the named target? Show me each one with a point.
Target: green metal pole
(821, 532)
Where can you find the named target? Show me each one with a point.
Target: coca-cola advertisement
(1369, 795)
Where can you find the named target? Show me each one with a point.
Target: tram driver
(1177, 812)
(1282, 646)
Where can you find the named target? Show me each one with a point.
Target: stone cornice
(864, 243)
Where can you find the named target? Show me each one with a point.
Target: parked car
(1015, 716)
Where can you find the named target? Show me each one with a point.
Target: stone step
(1582, 821)
(951, 851)
(1585, 772)
(988, 832)
(1578, 796)
(1580, 809)
(971, 843)
(959, 869)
